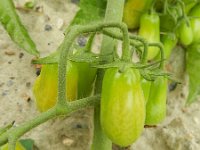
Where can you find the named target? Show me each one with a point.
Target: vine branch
(68, 41)
(14, 133)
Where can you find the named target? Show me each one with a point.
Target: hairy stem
(134, 42)
(68, 41)
(114, 12)
(88, 47)
(14, 133)
(162, 54)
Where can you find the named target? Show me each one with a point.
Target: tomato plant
(126, 93)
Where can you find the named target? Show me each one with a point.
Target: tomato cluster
(128, 99)
(168, 22)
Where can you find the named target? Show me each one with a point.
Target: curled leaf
(12, 24)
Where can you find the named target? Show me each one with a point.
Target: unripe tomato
(156, 104)
(150, 30)
(189, 4)
(169, 41)
(146, 85)
(122, 106)
(195, 23)
(17, 147)
(45, 87)
(185, 33)
(133, 9)
(86, 79)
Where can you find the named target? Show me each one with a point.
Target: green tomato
(156, 104)
(185, 33)
(189, 4)
(195, 23)
(86, 78)
(133, 9)
(169, 41)
(146, 85)
(45, 88)
(122, 106)
(150, 30)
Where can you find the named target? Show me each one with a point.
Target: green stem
(66, 45)
(162, 54)
(133, 42)
(14, 133)
(114, 12)
(5, 128)
(145, 44)
(165, 7)
(88, 47)
(126, 55)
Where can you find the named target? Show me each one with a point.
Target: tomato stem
(114, 12)
(162, 54)
(68, 41)
(126, 55)
(88, 46)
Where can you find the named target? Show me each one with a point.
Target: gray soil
(179, 131)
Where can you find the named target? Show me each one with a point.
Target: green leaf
(90, 11)
(11, 22)
(27, 143)
(193, 69)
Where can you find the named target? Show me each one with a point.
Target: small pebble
(28, 84)
(60, 23)
(184, 110)
(48, 27)
(182, 95)
(38, 71)
(4, 93)
(172, 86)
(68, 141)
(10, 62)
(26, 97)
(21, 55)
(79, 126)
(12, 78)
(82, 41)
(47, 18)
(1, 84)
(196, 120)
(75, 1)
(39, 9)
(9, 53)
(10, 83)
